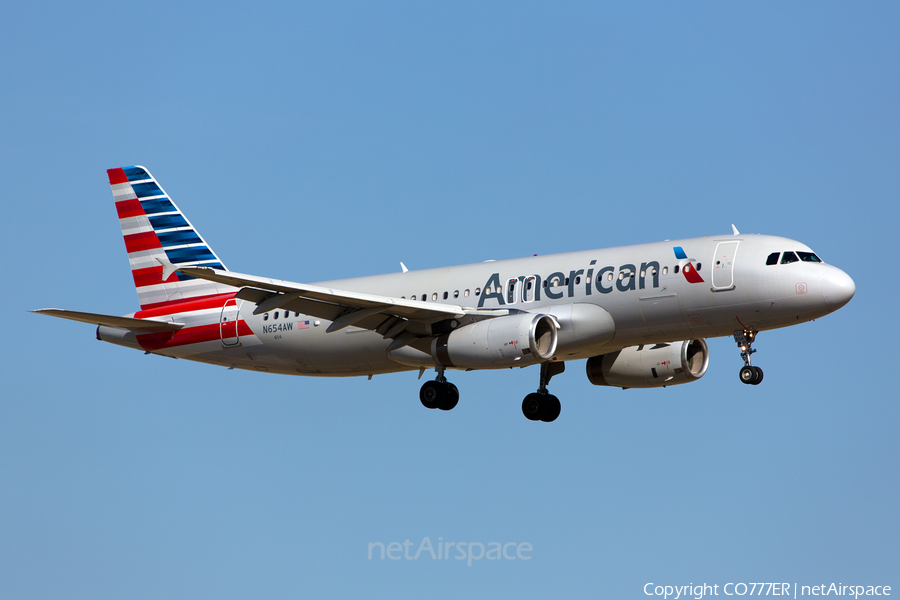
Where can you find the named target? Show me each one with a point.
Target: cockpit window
(789, 257)
(809, 257)
(773, 258)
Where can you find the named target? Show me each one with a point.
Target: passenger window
(789, 257)
(466, 293)
(609, 276)
(578, 280)
(446, 295)
(265, 316)
(434, 296)
(413, 297)
(699, 265)
(456, 294)
(528, 292)
(511, 295)
(773, 258)
(477, 291)
(809, 257)
(665, 270)
(275, 315)
(675, 269)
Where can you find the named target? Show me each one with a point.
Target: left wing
(397, 318)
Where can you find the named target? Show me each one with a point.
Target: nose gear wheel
(748, 374)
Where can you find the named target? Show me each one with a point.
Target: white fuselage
(650, 293)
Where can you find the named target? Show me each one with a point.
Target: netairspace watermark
(764, 589)
(467, 551)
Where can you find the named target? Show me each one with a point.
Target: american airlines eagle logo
(689, 270)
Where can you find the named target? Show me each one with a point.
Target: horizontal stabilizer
(110, 320)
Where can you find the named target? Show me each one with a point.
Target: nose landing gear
(542, 405)
(748, 373)
(439, 393)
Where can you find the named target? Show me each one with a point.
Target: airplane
(639, 314)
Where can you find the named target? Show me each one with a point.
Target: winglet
(402, 266)
(168, 268)
(734, 229)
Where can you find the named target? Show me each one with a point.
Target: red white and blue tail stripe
(155, 230)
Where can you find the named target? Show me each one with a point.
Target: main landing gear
(537, 406)
(542, 405)
(748, 374)
(439, 393)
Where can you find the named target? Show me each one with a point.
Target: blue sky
(308, 142)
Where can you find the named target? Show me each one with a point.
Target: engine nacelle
(511, 341)
(650, 366)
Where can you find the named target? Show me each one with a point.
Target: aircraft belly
(662, 315)
(351, 351)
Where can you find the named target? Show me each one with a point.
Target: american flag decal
(302, 324)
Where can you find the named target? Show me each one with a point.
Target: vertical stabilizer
(155, 230)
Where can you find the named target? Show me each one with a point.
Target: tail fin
(154, 228)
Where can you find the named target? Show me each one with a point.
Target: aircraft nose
(837, 288)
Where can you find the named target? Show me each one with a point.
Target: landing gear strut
(748, 373)
(439, 393)
(542, 405)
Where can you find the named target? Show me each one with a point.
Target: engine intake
(650, 366)
(511, 341)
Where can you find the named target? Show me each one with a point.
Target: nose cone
(837, 288)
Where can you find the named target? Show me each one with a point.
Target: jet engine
(650, 366)
(511, 341)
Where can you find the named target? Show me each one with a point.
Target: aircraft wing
(143, 325)
(390, 316)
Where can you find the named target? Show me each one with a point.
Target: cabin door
(723, 266)
(228, 323)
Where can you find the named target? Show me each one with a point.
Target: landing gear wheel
(541, 407)
(748, 375)
(759, 376)
(452, 397)
(433, 394)
(531, 406)
(551, 408)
